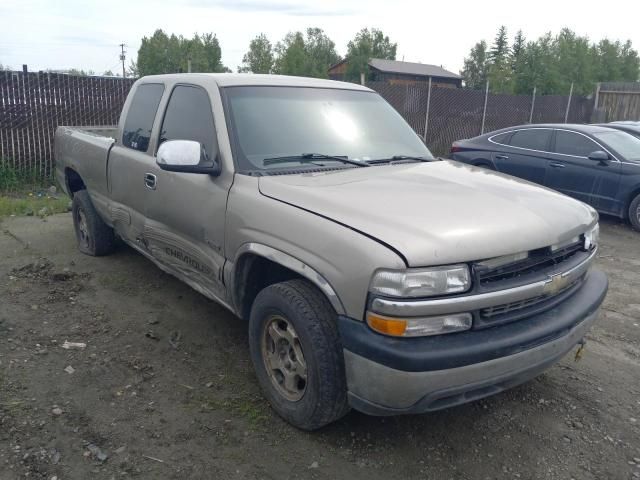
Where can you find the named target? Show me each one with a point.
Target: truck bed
(84, 149)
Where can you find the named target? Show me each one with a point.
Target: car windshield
(627, 145)
(292, 122)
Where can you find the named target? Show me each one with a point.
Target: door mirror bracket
(187, 156)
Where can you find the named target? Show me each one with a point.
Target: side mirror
(599, 156)
(187, 156)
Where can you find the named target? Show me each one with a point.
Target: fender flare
(287, 261)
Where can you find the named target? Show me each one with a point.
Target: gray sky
(85, 34)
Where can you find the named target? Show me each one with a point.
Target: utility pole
(566, 113)
(122, 58)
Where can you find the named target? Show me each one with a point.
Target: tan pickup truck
(371, 274)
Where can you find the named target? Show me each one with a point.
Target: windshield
(277, 122)
(624, 143)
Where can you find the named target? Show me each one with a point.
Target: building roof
(411, 68)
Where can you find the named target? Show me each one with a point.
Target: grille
(537, 260)
(509, 308)
(490, 312)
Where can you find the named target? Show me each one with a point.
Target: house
(401, 73)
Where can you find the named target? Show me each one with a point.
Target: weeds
(23, 192)
(14, 181)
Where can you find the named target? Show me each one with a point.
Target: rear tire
(634, 213)
(94, 237)
(297, 354)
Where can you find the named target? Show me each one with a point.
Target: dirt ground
(165, 388)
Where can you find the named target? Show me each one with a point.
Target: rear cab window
(532, 139)
(189, 117)
(142, 111)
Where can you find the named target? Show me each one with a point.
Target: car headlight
(591, 237)
(419, 326)
(421, 282)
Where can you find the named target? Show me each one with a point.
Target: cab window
(142, 111)
(189, 117)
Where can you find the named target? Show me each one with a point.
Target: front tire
(94, 237)
(297, 354)
(634, 213)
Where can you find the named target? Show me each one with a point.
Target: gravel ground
(164, 387)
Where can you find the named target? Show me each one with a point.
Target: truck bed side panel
(86, 151)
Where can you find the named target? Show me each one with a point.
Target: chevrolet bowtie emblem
(555, 284)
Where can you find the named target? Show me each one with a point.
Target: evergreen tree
(499, 71)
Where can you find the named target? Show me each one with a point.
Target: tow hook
(582, 343)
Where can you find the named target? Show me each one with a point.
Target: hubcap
(638, 212)
(283, 358)
(83, 230)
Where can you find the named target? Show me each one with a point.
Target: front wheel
(634, 213)
(297, 354)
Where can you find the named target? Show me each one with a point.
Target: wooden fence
(618, 101)
(33, 105)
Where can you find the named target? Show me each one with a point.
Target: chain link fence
(443, 115)
(33, 105)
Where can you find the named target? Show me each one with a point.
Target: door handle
(557, 165)
(150, 181)
(502, 157)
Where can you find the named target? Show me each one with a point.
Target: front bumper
(389, 376)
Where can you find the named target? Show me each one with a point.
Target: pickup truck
(371, 275)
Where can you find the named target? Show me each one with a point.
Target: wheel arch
(258, 266)
(483, 163)
(73, 181)
(630, 197)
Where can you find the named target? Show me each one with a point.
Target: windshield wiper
(312, 157)
(395, 158)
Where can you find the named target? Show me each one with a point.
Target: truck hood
(438, 212)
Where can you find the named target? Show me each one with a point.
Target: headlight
(591, 237)
(419, 327)
(421, 282)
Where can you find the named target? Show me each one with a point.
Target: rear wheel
(94, 237)
(297, 354)
(634, 213)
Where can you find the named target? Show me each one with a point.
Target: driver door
(185, 222)
(570, 171)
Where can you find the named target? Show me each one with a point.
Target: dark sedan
(626, 126)
(595, 164)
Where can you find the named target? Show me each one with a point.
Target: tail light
(455, 148)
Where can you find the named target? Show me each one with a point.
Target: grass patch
(26, 193)
(32, 204)
(253, 410)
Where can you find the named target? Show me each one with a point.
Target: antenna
(122, 58)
